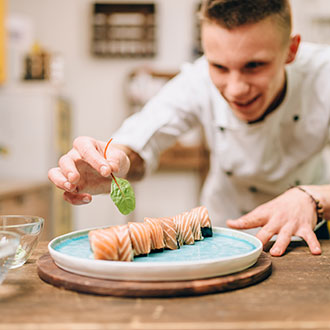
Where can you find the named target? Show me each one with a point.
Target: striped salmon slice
(104, 244)
(140, 237)
(156, 233)
(169, 230)
(124, 247)
(205, 220)
(184, 230)
(195, 223)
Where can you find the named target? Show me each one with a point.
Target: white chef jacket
(249, 163)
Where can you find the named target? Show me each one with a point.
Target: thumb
(119, 162)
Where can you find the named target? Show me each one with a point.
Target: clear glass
(9, 243)
(29, 228)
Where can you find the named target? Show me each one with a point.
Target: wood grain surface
(51, 273)
(295, 296)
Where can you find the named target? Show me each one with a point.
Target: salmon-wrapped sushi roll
(206, 225)
(184, 230)
(104, 244)
(169, 231)
(156, 233)
(124, 247)
(140, 237)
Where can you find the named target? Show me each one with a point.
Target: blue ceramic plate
(228, 251)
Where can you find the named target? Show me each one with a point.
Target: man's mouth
(245, 104)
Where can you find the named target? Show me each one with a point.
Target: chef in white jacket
(262, 98)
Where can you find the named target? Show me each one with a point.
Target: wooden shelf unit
(124, 30)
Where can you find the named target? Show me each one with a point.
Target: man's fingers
(68, 166)
(90, 153)
(58, 178)
(77, 199)
(312, 241)
(247, 221)
(282, 242)
(118, 161)
(265, 234)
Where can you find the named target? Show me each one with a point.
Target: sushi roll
(169, 232)
(203, 215)
(184, 229)
(140, 238)
(124, 247)
(156, 234)
(104, 244)
(124, 242)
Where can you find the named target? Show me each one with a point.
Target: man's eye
(220, 67)
(254, 65)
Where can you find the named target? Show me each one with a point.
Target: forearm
(322, 194)
(137, 166)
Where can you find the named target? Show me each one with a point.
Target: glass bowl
(9, 242)
(29, 228)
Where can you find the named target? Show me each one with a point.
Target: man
(264, 108)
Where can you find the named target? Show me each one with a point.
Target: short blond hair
(234, 13)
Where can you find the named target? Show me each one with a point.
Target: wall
(311, 19)
(2, 42)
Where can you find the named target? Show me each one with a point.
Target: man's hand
(84, 171)
(292, 213)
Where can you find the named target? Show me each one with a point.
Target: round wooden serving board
(51, 273)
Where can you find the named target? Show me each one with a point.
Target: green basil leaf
(123, 197)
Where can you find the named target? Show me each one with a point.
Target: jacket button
(222, 129)
(295, 117)
(229, 173)
(253, 189)
(297, 183)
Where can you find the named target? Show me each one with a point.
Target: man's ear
(293, 48)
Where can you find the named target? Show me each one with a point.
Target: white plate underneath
(228, 251)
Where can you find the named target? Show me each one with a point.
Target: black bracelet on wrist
(318, 206)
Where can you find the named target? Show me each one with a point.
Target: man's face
(246, 65)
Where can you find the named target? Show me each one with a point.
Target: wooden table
(295, 296)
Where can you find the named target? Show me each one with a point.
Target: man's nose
(237, 86)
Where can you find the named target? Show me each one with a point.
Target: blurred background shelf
(181, 158)
(124, 30)
(29, 198)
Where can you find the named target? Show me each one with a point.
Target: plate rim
(156, 271)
